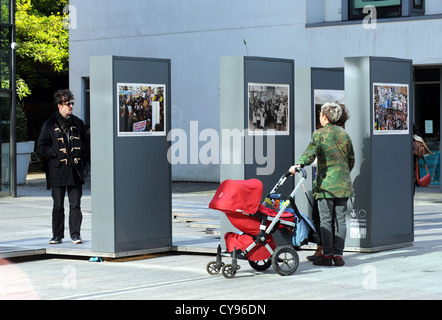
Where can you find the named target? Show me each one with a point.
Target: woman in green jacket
(333, 148)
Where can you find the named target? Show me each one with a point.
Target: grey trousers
(333, 226)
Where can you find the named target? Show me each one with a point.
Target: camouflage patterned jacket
(333, 148)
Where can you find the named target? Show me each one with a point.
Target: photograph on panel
(390, 109)
(269, 109)
(141, 109)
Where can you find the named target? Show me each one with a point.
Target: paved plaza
(413, 272)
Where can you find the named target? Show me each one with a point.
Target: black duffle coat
(64, 155)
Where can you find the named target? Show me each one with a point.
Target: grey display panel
(263, 155)
(382, 215)
(392, 161)
(278, 149)
(131, 175)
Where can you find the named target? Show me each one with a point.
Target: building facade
(195, 34)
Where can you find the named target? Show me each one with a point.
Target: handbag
(424, 181)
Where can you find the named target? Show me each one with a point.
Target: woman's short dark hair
(62, 96)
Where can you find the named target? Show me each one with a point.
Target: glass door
(428, 116)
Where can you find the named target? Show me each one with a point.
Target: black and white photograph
(269, 109)
(391, 108)
(141, 109)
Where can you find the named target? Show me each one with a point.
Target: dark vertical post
(13, 113)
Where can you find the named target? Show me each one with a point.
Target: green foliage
(48, 7)
(22, 89)
(42, 40)
(21, 125)
(43, 47)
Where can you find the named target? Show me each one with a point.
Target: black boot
(323, 261)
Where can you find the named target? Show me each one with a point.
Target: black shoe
(312, 258)
(76, 240)
(338, 261)
(55, 240)
(323, 261)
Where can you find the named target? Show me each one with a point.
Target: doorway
(427, 95)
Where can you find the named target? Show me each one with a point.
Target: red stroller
(240, 200)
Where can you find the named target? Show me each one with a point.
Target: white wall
(433, 7)
(194, 34)
(416, 40)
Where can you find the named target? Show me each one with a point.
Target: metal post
(13, 106)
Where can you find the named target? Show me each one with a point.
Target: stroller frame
(285, 259)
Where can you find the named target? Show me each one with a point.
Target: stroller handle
(286, 175)
(299, 170)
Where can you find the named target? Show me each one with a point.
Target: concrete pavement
(407, 273)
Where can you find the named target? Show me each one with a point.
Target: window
(427, 96)
(384, 8)
(418, 4)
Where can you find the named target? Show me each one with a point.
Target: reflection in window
(418, 4)
(4, 11)
(384, 8)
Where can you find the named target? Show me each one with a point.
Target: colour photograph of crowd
(391, 109)
(141, 109)
(269, 109)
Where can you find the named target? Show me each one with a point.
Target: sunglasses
(69, 104)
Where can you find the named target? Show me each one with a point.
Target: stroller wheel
(285, 261)
(229, 271)
(261, 265)
(213, 268)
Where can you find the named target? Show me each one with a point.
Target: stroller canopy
(238, 196)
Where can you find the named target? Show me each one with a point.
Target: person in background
(64, 146)
(420, 149)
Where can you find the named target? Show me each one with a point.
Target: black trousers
(75, 216)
